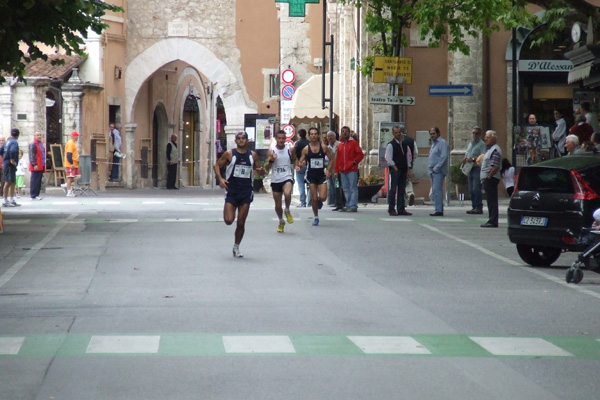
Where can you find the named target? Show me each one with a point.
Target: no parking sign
(287, 92)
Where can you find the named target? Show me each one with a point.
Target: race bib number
(282, 170)
(242, 171)
(317, 163)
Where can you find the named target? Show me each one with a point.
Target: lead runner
(239, 163)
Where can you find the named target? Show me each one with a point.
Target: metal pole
(515, 109)
(330, 83)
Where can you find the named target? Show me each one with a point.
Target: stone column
(5, 110)
(128, 168)
(72, 93)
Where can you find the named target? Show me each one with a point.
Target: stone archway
(226, 82)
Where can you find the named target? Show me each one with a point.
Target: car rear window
(552, 180)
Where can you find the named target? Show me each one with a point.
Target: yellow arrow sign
(392, 67)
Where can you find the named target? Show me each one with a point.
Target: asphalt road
(136, 295)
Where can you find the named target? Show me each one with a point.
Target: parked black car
(552, 202)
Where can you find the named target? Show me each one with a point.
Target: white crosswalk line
(388, 345)
(123, 344)
(258, 344)
(11, 345)
(178, 220)
(502, 346)
(122, 221)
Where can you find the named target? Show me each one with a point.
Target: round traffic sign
(289, 130)
(288, 76)
(290, 141)
(288, 92)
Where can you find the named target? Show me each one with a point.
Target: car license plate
(534, 221)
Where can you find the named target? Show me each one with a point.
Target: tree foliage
(451, 22)
(54, 23)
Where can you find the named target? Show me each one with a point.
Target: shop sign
(545, 65)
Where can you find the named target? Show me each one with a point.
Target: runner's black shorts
(237, 197)
(278, 187)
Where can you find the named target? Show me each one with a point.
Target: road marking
(106, 202)
(123, 344)
(64, 203)
(514, 263)
(153, 202)
(258, 344)
(388, 345)
(16, 221)
(16, 267)
(178, 220)
(316, 345)
(11, 345)
(339, 219)
(450, 219)
(396, 219)
(121, 221)
(533, 347)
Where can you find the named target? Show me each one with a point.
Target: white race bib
(242, 171)
(282, 169)
(317, 163)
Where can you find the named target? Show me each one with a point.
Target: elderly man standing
(438, 169)
(398, 157)
(475, 148)
(37, 165)
(347, 158)
(490, 177)
(115, 137)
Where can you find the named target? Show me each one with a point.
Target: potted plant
(369, 186)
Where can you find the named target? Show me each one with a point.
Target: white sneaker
(70, 193)
(237, 253)
(37, 198)
(64, 187)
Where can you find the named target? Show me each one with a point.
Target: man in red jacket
(348, 156)
(37, 165)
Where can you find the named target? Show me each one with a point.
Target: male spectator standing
(349, 155)
(333, 144)
(474, 149)
(281, 160)
(72, 162)
(115, 137)
(409, 196)
(9, 165)
(490, 176)
(559, 134)
(172, 162)
(301, 175)
(2, 141)
(398, 158)
(438, 169)
(238, 182)
(37, 165)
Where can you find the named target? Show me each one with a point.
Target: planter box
(365, 193)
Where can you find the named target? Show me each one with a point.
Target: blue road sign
(451, 90)
(288, 92)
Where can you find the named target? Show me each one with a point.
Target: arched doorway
(160, 138)
(190, 142)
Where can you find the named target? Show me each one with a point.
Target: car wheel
(538, 256)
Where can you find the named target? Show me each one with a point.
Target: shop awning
(306, 103)
(580, 72)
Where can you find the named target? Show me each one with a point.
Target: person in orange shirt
(72, 162)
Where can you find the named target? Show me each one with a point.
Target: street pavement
(136, 295)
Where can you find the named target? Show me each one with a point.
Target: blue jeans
(301, 186)
(475, 188)
(437, 189)
(350, 185)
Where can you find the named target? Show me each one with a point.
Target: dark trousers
(35, 183)
(491, 195)
(114, 173)
(396, 184)
(340, 199)
(171, 175)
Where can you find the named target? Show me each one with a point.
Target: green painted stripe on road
(211, 344)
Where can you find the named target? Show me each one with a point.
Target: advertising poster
(264, 134)
(385, 136)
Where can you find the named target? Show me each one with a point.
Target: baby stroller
(590, 258)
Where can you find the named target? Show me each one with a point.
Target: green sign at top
(297, 7)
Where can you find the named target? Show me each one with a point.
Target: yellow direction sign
(387, 68)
